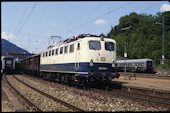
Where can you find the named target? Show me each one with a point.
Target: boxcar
(31, 64)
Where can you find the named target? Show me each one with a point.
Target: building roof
(13, 53)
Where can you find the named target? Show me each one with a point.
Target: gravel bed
(89, 99)
(6, 103)
(44, 102)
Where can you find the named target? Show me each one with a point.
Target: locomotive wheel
(107, 85)
(53, 77)
(83, 83)
(65, 78)
(41, 74)
(49, 76)
(44, 76)
(62, 79)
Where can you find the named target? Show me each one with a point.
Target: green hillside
(143, 36)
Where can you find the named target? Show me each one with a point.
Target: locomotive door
(77, 56)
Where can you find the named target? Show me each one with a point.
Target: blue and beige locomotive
(85, 58)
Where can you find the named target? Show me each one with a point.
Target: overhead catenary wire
(95, 18)
(22, 16)
(70, 30)
(27, 18)
(81, 17)
(98, 17)
(28, 34)
(151, 7)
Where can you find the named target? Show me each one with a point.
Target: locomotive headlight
(91, 62)
(113, 64)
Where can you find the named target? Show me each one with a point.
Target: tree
(144, 38)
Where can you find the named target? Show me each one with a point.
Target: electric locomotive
(84, 59)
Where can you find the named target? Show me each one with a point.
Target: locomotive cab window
(109, 46)
(8, 62)
(94, 45)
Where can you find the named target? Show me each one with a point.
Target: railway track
(156, 100)
(146, 75)
(94, 99)
(37, 107)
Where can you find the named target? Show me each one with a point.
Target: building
(18, 55)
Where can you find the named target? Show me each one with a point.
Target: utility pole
(125, 55)
(162, 61)
(163, 39)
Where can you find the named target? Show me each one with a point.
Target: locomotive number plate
(102, 68)
(103, 58)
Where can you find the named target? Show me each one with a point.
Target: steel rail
(69, 105)
(137, 96)
(152, 96)
(39, 109)
(147, 75)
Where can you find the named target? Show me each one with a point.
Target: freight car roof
(32, 56)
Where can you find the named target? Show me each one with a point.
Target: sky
(31, 25)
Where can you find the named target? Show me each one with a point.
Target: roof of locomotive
(75, 38)
(134, 60)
